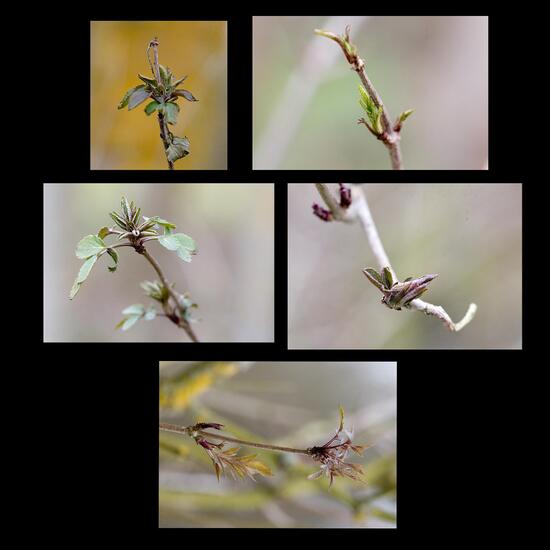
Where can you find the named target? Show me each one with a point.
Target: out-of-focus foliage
(130, 141)
(437, 66)
(470, 235)
(267, 402)
(230, 278)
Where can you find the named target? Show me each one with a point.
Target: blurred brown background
(306, 99)
(231, 277)
(469, 234)
(284, 403)
(122, 140)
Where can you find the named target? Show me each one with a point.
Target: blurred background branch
(298, 90)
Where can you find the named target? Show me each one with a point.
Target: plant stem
(164, 133)
(391, 134)
(186, 429)
(359, 209)
(391, 138)
(182, 323)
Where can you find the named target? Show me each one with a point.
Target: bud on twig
(396, 294)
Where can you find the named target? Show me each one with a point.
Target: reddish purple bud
(207, 444)
(205, 425)
(345, 196)
(322, 213)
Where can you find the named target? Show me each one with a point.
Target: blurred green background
(231, 277)
(306, 99)
(470, 235)
(122, 140)
(285, 403)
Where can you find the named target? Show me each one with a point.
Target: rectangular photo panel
(370, 92)
(158, 262)
(405, 266)
(277, 444)
(158, 95)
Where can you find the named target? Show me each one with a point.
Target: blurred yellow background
(306, 98)
(470, 234)
(122, 140)
(231, 277)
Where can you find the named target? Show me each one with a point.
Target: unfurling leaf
(259, 467)
(134, 309)
(171, 111)
(186, 94)
(341, 411)
(165, 75)
(374, 277)
(405, 115)
(151, 107)
(373, 112)
(89, 246)
(138, 97)
(178, 149)
(377, 124)
(387, 277)
(160, 221)
(126, 98)
(103, 232)
(181, 243)
(148, 80)
(178, 82)
(113, 255)
(82, 275)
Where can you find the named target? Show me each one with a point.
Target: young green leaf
(387, 277)
(148, 80)
(89, 246)
(405, 115)
(374, 277)
(82, 275)
(134, 309)
(138, 97)
(181, 243)
(178, 149)
(165, 75)
(128, 322)
(103, 232)
(114, 256)
(377, 124)
(150, 313)
(126, 209)
(126, 98)
(186, 94)
(151, 107)
(159, 221)
(178, 82)
(172, 110)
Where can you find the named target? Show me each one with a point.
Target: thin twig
(185, 430)
(181, 322)
(359, 209)
(164, 131)
(391, 134)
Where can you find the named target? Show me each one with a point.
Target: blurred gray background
(285, 403)
(469, 234)
(306, 99)
(231, 277)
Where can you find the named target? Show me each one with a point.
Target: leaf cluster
(134, 230)
(164, 93)
(396, 294)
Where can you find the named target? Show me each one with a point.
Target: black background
(108, 393)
